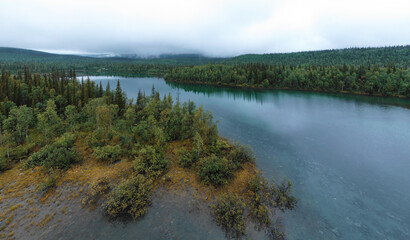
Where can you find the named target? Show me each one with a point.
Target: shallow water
(348, 156)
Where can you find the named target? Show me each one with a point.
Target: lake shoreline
(239, 86)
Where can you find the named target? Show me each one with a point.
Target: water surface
(348, 156)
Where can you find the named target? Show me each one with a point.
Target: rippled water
(348, 156)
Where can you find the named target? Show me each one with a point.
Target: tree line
(363, 79)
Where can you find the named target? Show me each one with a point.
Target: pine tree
(108, 93)
(119, 99)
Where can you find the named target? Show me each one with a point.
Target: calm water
(348, 156)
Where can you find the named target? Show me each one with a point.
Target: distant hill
(14, 59)
(398, 55)
(32, 56)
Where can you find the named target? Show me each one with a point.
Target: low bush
(151, 161)
(130, 199)
(219, 147)
(241, 154)
(60, 154)
(229, 214)
(214, 170)
(282, 195)
(48, 184)
(3, 163)
(22, 151)
(259, 201)
(107, 153)
(187, 159)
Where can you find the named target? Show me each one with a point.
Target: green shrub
(241, 154)
(107, 153)
(131, 198)
(259, 201)
(187, 159)
(214, 170)
(3, 163)
(151, 160)
(282, 195)
(22, 151)
(228, 212)
(219, 146)
(60, 154)
(48, 184)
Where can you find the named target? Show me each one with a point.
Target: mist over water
(348, 156)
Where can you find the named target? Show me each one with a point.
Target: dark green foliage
(151, 161)
(3, 163)
(387, 80)
(119, 98)
(60, 154)
(229, 210)
(107, 153)
(398, 55)
(21, 152)
(214, 170)
(187, 159)
(130, 198)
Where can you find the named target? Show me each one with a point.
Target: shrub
(215, 170)
(3, 163)
(282, 195)
(241, 154)
(21, 151)
(131, 198)
(151, 160)
(258, 200)
(48, 184)
(228, 212)
(219, 146)
(60, 154)
(107, 153)
(187, 159)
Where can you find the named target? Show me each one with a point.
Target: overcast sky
(214, 28)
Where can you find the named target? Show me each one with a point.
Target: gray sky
(214, 28)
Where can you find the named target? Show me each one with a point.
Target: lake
(348, 157)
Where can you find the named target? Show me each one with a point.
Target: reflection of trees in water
(249, 95)
(261, 96)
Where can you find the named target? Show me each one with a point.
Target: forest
(362, 79)
(53, 124)
(373, 71)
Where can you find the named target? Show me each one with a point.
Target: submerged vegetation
(56, 123)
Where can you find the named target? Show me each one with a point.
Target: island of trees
(58, 131)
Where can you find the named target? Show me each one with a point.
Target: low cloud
(214, 28)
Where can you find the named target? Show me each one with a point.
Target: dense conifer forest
(374, 71)
(362, 79)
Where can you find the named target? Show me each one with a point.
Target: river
(348, 157)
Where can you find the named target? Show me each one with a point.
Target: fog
(214, 28)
